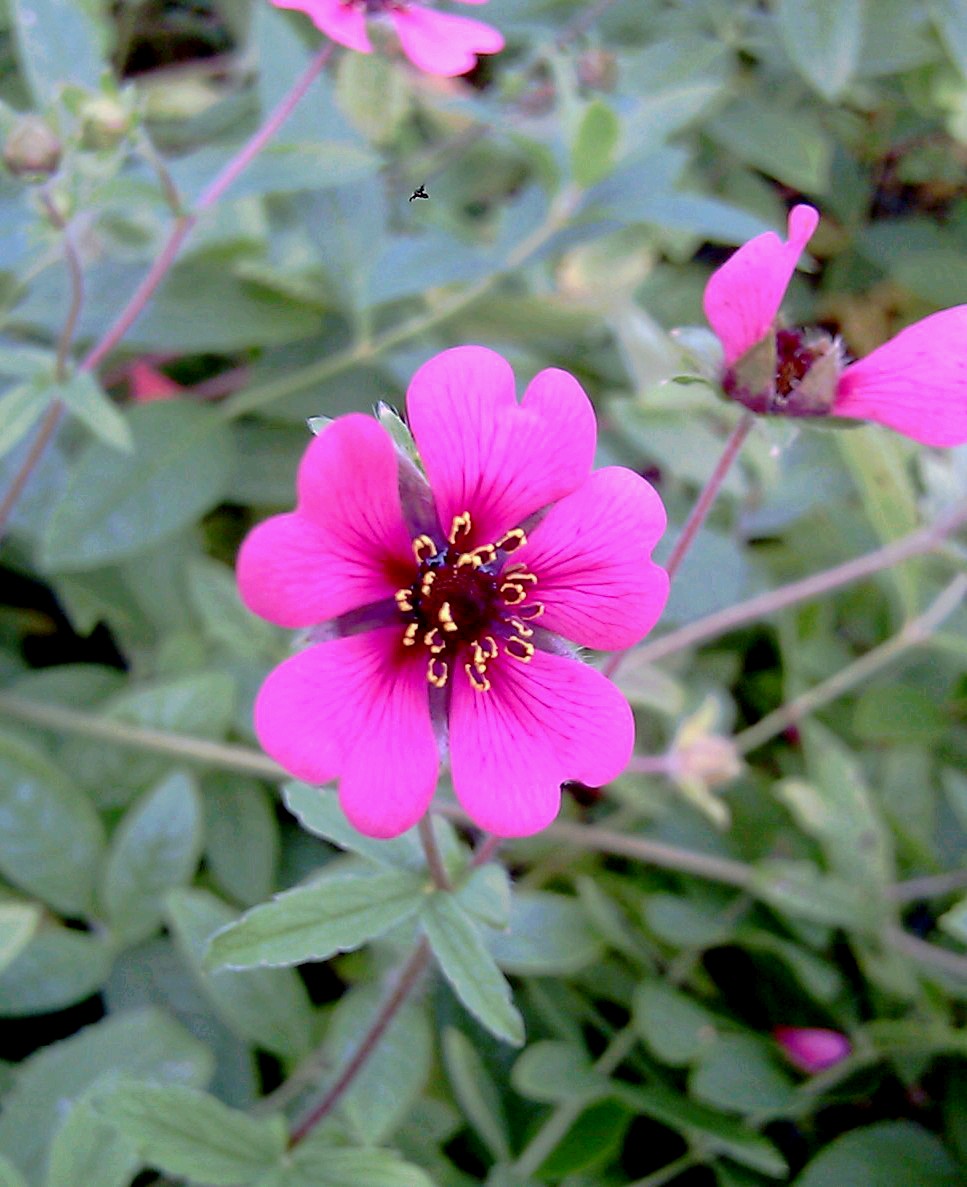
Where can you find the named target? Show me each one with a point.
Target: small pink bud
(147, 383)
(812, 1048)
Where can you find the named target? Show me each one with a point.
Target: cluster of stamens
(466, 605)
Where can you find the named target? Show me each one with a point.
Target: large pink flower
(916, 383)
(451, 603)
(435, 42)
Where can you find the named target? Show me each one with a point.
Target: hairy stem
(923, 540)
(916, 631)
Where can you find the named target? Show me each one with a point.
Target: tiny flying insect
(420, 192)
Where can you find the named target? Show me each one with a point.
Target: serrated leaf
(182, 1131)
(486, 895)
(314, 922)
(18, 922)
(142, 1044)
(56, 40)
(51, 839)
(318, 811)
(269, 1007)
(477, 981)
(83, 397)
(58, 967)
(88, 1150)
(823, 39)
(476, 1092)
(120, 504)
(155, 848)
(595, 144)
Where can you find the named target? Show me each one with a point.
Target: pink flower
(450, 602)
(146, 383)
(916, 383)
(435, 42)
(811, 1048)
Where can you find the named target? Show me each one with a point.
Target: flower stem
(668, 1172)
(434, 861)
(543, 1143)
(183, 226)
(926, 539)
(916, 631)
(406, 983)
(698, 513)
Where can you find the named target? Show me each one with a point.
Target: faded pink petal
(439, 43)
(812, 1048)
(592, 556)
(345, 545)
(743, 297)
(541, 724)
(344, 23)
(916, 383)
(147, 383)
(487, 454)
(355, 709)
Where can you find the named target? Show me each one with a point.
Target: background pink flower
(455, 621)
(812, 1048)
(916, 383)
(435, 42)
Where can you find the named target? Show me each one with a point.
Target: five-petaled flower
(454, 604)
(435, 42)
(916, 383)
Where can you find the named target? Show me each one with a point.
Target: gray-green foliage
(236, 931)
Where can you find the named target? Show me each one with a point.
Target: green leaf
(58, 967)
(676, 1028)
(89, 1150)
(21, 406)
(823, 38)
(468, 966)
(789, 145)
(950, 18)
(799, 889)
(486, 895)
(316, 921)
(476, 1092)
(9, 1175)
(954, 921)
(898, 714)
(684, 923)
(593, 1140)
(56, 41)
(888, 1154)
(313, 1164)
(51, 839)
(83, 397)
(374, 94)
(318, 811)
(554, 1071)
(547, 935)
(213, 592)
(738, 1074)
(391, 1080)
(241, 837)
(142, 1044)
(156, 848)
(18, 922)
(595, 144)
(118, 505)
(182, 1131)
(269, 1007)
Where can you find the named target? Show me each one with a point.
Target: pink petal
(345, 545)
(916, 383)
(592, 557)
(540, 724)
(439, 43)
(355, 708)
(344, 23)
(743, 297)
(812, 1048)
(488, 455)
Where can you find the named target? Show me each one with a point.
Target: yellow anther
(519, 649)
(531, 611)
(424, 549)
(409, 635)
(485, 649)
(479, 556)
(437, 671)
(460, 528)
(477, 678)
(428, 579)
(445, 616)
(512, 593)
(469, 558)
(404, 600)
(525, 632)
(434, 640)
(512, 540)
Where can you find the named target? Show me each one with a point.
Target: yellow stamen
(531, 611)
(477, 678)
(525, 632)
(428, 579)
(445, 616)
(512, 593)
(403, 601)
(434, 640)
(512, 540)
(437, 671)
(424, 549)
(479, 556)
(519, 649)
(460, 528)
(409, 635)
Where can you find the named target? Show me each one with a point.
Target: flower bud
(700, 760)
(104, 123)
(812, 1048)
(32, 147)
(598, 70)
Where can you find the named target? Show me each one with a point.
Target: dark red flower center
(465, 607)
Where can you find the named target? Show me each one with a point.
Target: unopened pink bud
(812, 1048)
